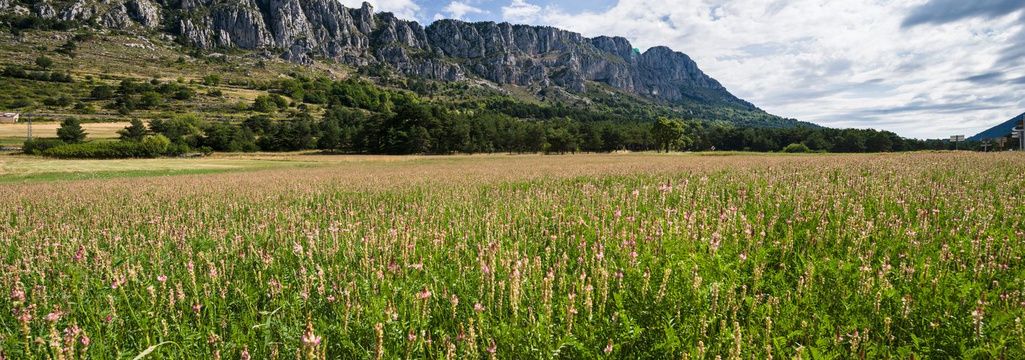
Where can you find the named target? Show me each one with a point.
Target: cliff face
(447, 50)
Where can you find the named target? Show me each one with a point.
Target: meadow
(624, 256)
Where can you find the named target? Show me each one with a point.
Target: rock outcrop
(449, 50)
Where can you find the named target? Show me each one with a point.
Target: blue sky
(921, 68)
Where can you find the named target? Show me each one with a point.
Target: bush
(156, 144)
(264, 104)
(102, 92)
(38, 146)
(796, 148)
(44, 62)
(150, 147)
(150, 100)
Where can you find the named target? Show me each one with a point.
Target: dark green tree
(102, 92)
(71, 131)
(136, 131)
(667, 133)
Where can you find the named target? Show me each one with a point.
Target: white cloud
(837, 63)
(459, 9)
(405, 9)
(521, 11)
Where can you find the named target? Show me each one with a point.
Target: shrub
(38, 146)
(264, 104)
(184, 93)
(150, 147)
(796, 148)
(103, 92)
(212, 80)
(44, 62)
(150, 100)
(156, 144)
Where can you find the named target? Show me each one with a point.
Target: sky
(920, 68)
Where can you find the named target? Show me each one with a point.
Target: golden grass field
(49, 129)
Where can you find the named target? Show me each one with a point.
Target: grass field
(516, 257)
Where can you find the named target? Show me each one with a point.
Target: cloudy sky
(921, 68)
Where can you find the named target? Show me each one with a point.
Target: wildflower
(17, 296)
(245, 353)
(715, 242)
(79, 255)
(162, 278)
(977, 316)
(309, 339)
(608, 348)
(424, 295)
(478, 307)
(54, 316)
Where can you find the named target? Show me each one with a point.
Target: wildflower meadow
(525, 257)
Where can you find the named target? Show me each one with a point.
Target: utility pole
(956, 139)
(29, 128)
(985, 146)
(1019, 133)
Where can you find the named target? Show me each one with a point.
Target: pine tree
(71, 131)
(134, 132)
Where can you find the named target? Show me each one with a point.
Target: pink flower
(162, 278)
(310, 339)
(424, 295)
(85, 340)
(79, 255)
(17, 296)
(54, 316)
(478, 307)
(245, 354)
(608, 348)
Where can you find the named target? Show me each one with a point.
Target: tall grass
(745, 257)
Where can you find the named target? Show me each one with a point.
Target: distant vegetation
(364, 118)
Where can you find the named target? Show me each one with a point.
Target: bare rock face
(44, 10)
(300, 31)
(145, 12)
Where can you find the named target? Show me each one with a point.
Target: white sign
(957, 138)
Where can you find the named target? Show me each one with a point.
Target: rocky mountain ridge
(447, 50)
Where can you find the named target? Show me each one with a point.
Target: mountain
(545, 60)
(999, 131)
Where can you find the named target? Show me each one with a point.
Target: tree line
(362, 118)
